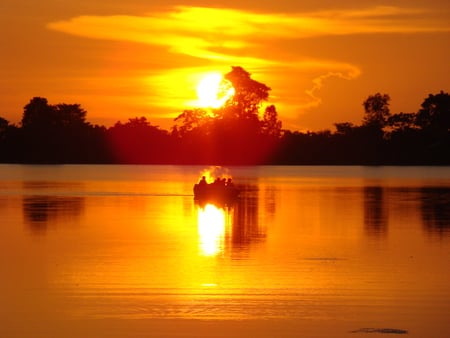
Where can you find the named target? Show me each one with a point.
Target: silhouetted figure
(229, 183)
(218, 182)
(203, 181)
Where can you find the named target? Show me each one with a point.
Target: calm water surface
(124, 251)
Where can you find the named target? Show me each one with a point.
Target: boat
(220, 191)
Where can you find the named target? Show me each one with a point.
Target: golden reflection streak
(211, 229)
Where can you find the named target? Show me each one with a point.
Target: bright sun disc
(213, 91)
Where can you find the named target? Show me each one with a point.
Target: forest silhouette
(238, 133)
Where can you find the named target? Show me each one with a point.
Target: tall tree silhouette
(435, 113)
(233, 133)
(56, 133)
(38, 114)
(271, 125)
(376, 109)
(249, 94)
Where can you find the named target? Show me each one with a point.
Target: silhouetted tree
(376, 109)
(38, 114)
(433, 119)
(249, 94)
(271, 125)
(70, 115)
(189, 120)
(10, 142)
(435, 113)
(405, 141)
(233, 133)
(3, 126)
(402, 122)
(58, 134)
(137, 141)
(376, 114)
(344, 128)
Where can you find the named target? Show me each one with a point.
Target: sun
(213, 91)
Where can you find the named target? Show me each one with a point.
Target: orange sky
(139, 58)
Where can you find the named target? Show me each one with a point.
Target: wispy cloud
(197, 30)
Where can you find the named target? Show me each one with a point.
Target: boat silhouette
(221, 191)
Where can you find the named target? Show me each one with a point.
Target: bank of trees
(400, 138)
(243, 131)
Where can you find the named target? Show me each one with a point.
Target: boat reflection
(232, 228)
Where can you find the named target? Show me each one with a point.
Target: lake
(305, 251)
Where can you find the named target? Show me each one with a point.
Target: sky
(123, 59)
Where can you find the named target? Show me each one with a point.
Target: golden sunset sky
(122, 59)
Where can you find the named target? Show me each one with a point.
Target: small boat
(220, 192)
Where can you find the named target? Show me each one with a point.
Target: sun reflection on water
(211, 229)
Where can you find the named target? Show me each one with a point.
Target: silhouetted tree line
(237, 133)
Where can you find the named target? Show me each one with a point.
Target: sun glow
(211, 229)
(213, 91)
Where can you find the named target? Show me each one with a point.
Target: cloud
(198, 31)
(334, 69)
(221, 35)
(209, 27)
(235, 37)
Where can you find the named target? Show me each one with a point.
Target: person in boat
(202, 182)
(229, 183)
(218, 182)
